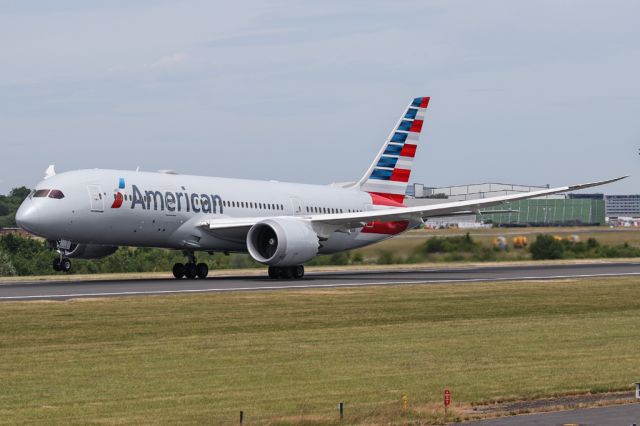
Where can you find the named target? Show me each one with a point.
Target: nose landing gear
(191, 269)
(61, 264)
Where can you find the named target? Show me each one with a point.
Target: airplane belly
(372, 233)
(341, 241)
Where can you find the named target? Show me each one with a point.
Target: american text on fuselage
(176, 201)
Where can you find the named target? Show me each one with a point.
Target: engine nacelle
(284, 241)
(90, 251)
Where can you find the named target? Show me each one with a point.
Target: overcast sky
(530, 92)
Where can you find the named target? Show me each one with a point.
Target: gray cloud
(538, 92)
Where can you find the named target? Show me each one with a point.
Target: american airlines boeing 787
(90, 213)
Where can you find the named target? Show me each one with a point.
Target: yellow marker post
(405, 402)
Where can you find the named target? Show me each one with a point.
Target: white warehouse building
(557, 209)
(473, 191)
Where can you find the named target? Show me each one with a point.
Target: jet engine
(90, 251)
(284, 241)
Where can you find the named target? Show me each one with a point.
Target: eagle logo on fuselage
(119, 198)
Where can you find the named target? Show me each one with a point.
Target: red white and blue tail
(388, 175)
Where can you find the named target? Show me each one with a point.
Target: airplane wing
(325, 224)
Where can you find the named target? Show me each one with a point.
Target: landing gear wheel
(65, 265)
(298, 272)
(178, 270)
(190, 270)
(202, 270)
(274, 272)
(56, 264)
(287, 272)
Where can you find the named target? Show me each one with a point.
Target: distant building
(548, 212)
(553, 210)
(580, 196)
(472, 191)
(626, 206)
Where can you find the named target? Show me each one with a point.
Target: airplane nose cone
(28, 216)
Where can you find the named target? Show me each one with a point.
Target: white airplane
(90, 213)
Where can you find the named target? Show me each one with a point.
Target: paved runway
(60, 290)
(622, 415)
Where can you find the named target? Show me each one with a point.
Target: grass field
(290, 357)
(405, 244)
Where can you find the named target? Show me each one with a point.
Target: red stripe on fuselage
(378, 199)
(383, 199)
(386, 228)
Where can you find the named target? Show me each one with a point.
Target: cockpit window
(41, 193)
(56, 193)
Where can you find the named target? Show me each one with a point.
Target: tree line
(9, 205)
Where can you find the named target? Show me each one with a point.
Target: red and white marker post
(447, 400)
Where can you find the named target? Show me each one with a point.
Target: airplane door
(95, 198)
(297, 207)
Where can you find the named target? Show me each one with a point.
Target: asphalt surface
(60, 290)
(622, 415)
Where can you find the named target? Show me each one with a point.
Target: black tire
(202, 270)
(287, 272)
(178, 270)
(65, 265)
(190, 270)
(274, 272)
(56, 264)
(298, 272)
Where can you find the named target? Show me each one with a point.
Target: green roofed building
(548, 212)
(554, 210)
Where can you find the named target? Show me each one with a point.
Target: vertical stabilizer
(388, 175)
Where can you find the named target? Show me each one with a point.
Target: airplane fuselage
(143, 209)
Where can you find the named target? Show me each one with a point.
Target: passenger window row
(253, 205)
(329, 210)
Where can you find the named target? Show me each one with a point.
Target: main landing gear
(286, 272)
(61, 264)
(191, 269)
